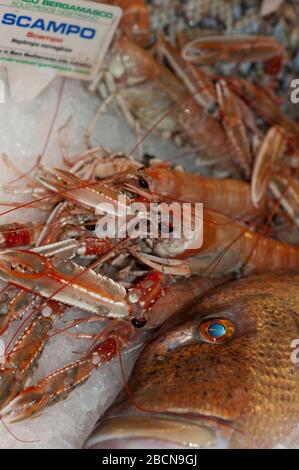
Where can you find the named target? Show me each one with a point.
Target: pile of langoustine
(236, 126)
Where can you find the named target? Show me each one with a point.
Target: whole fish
(223, 374)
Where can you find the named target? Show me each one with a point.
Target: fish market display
(209, 82)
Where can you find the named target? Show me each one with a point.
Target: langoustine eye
(216, 330)
(143, 183)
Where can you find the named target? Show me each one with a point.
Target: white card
(68, 37)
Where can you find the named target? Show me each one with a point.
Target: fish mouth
(156, 432)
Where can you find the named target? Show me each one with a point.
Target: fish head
(220, 376)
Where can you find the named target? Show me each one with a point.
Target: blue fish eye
(216, 330)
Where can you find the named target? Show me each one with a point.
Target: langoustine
(227, 196)
(150, 95)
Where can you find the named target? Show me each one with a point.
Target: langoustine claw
(63, 281)
(59, 384)
(233, 49)
(19, 363)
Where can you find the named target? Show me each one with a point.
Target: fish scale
(244, 391)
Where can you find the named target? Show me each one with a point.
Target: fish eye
(216, 330)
